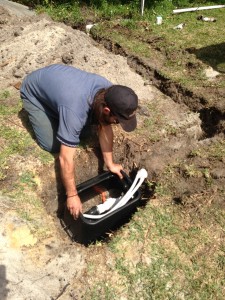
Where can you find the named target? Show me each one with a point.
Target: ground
(179, 152)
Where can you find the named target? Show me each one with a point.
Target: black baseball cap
(123, 102)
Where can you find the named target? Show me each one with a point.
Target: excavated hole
(211, 121)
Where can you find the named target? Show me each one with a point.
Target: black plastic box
(84, 230)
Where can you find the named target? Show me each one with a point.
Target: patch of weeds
(108, 10)
(16, 194)
(17, 141)
(7, 110)
(216, 150)
(41, 230)
(162, 190)
(171, 130)
(193, 234)
(101, 288)
(159, 278)
(218, 215)
(150, 185)
(133, 45)
(44, 156)
(169, 170)
(28, 205)
(3, 167)
(30, 209)
(66, 13)
(203, 283)
(162, 279)
(9, 105)
(4, 95)
(164, 222)
(207, 176)
(221, 67)
(25, 215)
(221, 261)
(149, 123)
(140, 283)
(155, 125)
(135, 228)
(27, 178)
(191, 242)
(192, 171)
(129, 23)
(195, 153)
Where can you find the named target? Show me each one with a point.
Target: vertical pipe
(142, 6)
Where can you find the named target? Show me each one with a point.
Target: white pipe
(140, 177)
(142, 6)
(177, 11)
(119, 202)
(108, 204)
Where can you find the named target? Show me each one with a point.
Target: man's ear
(106, 110)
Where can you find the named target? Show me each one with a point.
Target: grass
(156, 126)
(143, 38)
(161, 255)
(213, 151)
(202, 42)
(19, 157)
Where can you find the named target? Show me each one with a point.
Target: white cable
(140, 177)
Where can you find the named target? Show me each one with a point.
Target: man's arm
(106, 143)
(67, 166)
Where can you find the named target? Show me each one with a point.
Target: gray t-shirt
(65, 93)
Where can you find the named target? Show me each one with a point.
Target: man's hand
(66, 158)
(116, 168)
(106, 143)
(74, 205)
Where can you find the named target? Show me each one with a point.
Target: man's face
(109, 118)
(112, 119)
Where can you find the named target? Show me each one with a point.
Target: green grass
(15, 142)
(214, 151)
(17, 148)
(18, 141)
(67, 13)
(160, 255)
(4, 95)
(202, 42)
(205, 38)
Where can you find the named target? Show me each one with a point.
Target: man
(60, 101)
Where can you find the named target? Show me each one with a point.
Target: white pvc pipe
(142, 6)
(140, 177)
(108, 204)
(177, 11)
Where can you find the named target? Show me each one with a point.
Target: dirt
(168, 132)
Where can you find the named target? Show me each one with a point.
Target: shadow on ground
(213, 56)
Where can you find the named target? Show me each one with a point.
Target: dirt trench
(168, 131)
(212, 116)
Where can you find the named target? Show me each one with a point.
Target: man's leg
(44, 126)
